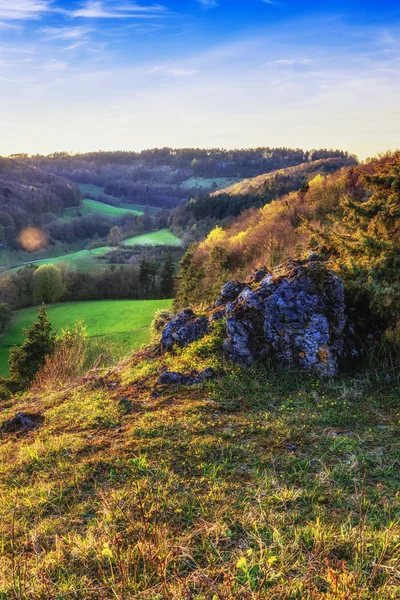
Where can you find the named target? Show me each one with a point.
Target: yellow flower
(106, 552)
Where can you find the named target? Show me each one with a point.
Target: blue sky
(116, 74)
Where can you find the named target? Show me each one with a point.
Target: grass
(209, 182)
(157, 238)
(141, 208)
(9, 257)
(90, 207)
(84, 260)
(89, 188)
(257, 485)
(125, 323)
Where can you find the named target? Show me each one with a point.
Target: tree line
(150, 277)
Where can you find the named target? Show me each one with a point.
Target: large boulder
(184, 329)
(296, 317)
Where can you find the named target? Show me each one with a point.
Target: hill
(167, 176)
(30, 196)
(255, 484)
(260, 190)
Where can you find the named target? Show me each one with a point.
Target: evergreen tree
(365, 239)
(189, 280)
(25, 361)
(167, 278)
(144, 276)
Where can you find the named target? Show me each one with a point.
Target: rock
(184, 329)
(217, 315)
(297, 318)
(22, 422)
(259, 274)
(230, 292)
(174, 378)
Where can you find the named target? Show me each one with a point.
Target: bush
(25, 361)
(161, 318)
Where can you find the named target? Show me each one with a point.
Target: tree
(48, 285)
(115, 236)
(5, 317)
(144, 276)
(167, 277)
(365, 239)
(25, 361)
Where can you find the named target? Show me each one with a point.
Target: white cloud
(23, 9)
(102, 10)
(65, 33)
(8, 26)
(174, 71)
(288, 62)
(208, 2)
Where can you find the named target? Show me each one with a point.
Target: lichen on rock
(295, 316)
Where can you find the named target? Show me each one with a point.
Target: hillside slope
(28, 194)
(254, 485)
(258, 191)
(256, 186)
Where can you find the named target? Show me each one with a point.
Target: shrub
(25, 361)
(161, 318)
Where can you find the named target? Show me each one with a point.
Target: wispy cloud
(65, 33)
(171, 71)
(289, 62)
(207, 3)
(103, 10)
(8, 26)
(23, 9)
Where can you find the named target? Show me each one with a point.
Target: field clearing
(10, 257)
(124, 323)
(207, 183)
(89, 188)
(84, 260)
(141, 208)
(90, 207)
(158, 238)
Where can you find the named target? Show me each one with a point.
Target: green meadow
(122, 323)
(157, 238)
(90, 207)
(89, 188)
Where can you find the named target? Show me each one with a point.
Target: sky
(85, 75)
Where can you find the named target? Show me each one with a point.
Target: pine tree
(189, 280)
(25, 361)
(365, 238)
(167, 278)
(144, 276)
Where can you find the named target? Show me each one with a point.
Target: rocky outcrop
(174, 378)
(295, 316)
(184, 329)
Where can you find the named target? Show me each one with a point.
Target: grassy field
(141, 208)
(257, 485)
(84, 260)
(88, 261)
(156, 238)
(10, 257)
(209, 182)
(125, 323)
(90, 207)
(89, 188)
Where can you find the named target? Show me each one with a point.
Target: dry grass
(254, 486)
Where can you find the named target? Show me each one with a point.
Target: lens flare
(33, 239)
